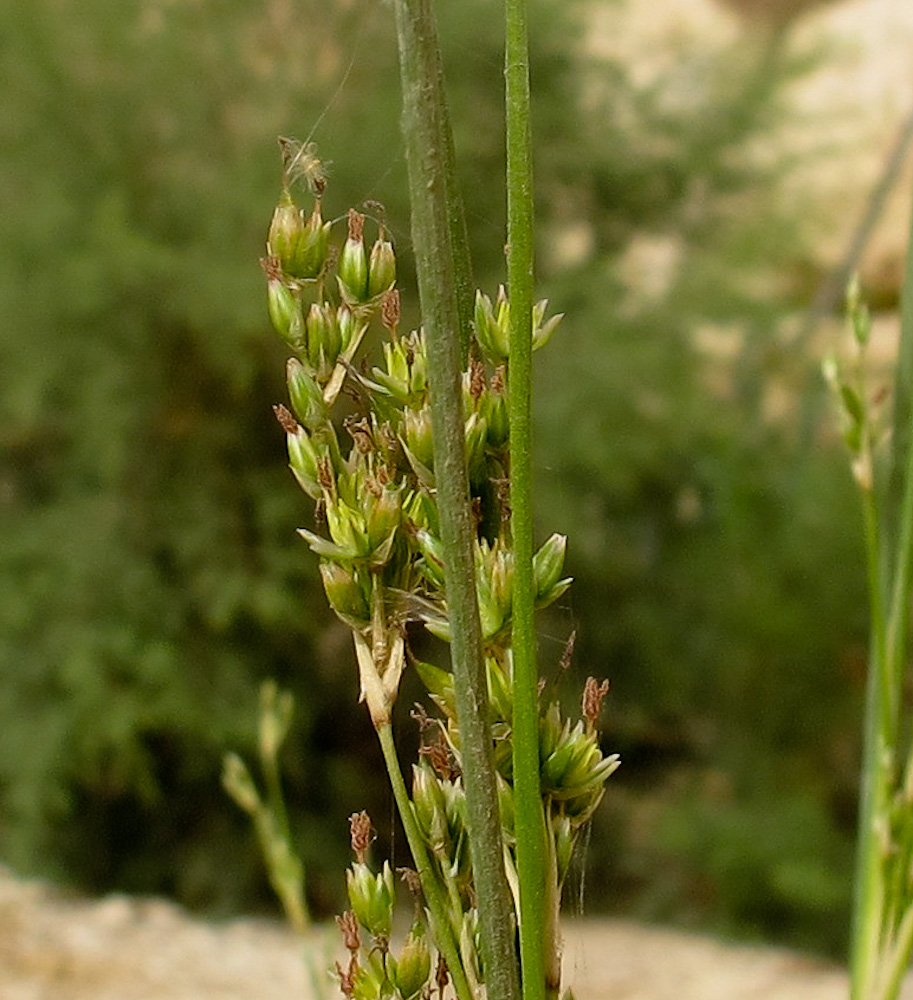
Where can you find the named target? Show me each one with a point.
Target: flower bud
(413, 966)
(502, 578)
(418, 440)
(430, 809)
(494, 409)
(324, 340)
(492, 326)
(548, 563)
(284, 312)
(542, 332)
(300, 245)
(350, 330)
(476, 431)
(371, 897)
(500, 690)
(345, 592)
(432, 552)
(382, 516)
(303, 461)
(440, 686)
(352, 268)
(381, 268)
(347, 529)
(305, 395)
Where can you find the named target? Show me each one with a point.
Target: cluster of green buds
(376, 971)
(492, 325)
(377, 537)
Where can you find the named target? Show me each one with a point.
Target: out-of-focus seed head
(276, 710)
(236, 780)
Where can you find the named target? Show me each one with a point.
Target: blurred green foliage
(150, 572)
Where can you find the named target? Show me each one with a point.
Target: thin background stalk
(881, 937)
(432, 188)
(529, 821)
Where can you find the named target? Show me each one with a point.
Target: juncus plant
(422, 500)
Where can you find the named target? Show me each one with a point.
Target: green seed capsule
(305, 395)
(548, 563)
(352, 268)
(345, 592)
(284, 311)
(413, 966)
(381, 268)
(371, 897)
(303, 461)
(300, 245)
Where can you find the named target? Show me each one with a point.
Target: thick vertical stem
(530, 824)
(426, 132)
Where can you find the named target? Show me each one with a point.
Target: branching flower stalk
(882, 462)
(379, 480)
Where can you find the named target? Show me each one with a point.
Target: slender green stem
(434, 897)
(426, 132)
(530, 824)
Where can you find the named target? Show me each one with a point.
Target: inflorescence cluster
(372, 477)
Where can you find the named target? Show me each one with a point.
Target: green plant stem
(434, 898)
(868, 906)
(429, 143)
(426, 133)
(530, 822)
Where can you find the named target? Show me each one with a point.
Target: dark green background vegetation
(149, 570)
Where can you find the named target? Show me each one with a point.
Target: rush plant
(419, 470)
